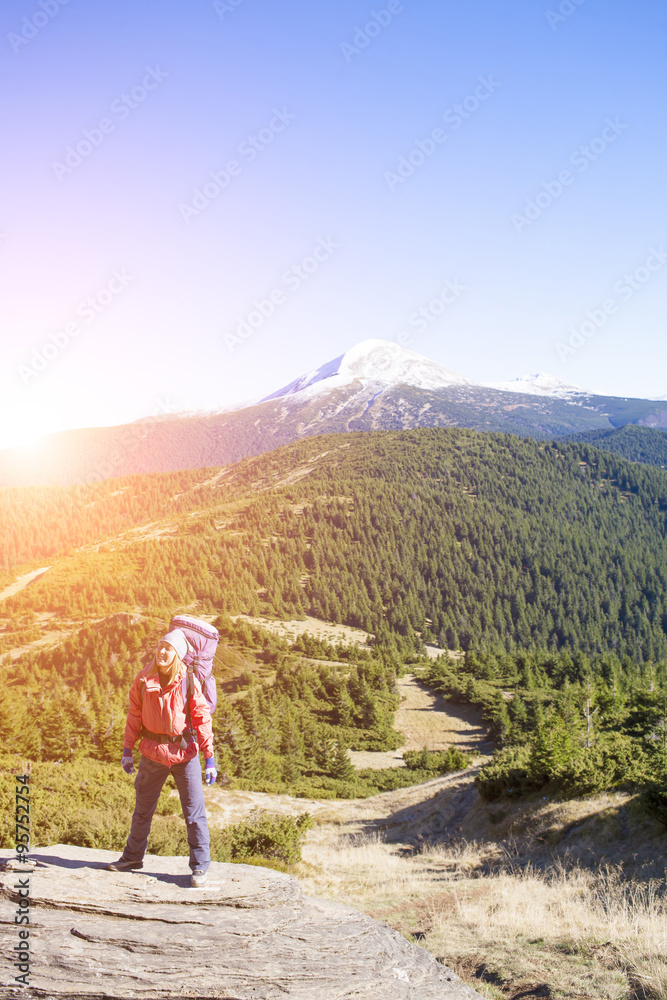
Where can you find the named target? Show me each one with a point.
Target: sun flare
(27, 433)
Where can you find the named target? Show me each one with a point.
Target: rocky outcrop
(249, 934)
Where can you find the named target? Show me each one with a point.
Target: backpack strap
(188, 682)
(188, 688)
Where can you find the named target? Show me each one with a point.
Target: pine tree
(340, 765)
(501, 724)
(290, 770)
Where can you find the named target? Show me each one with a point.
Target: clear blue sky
(316, 106)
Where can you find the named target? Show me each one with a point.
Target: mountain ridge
(377, 385)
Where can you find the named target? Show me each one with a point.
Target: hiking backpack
(202, 643)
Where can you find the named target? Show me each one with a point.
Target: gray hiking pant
(148, 783)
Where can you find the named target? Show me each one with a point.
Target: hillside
(464, 538)
(636, 444)
(540, 898)
(190, 442)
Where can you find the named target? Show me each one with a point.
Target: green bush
(85, 803)
(555, 758)
(507, 774)
(377, 740)
(274, 838)
(614, 759)
(271, 838)
(390, 779)
(440, 761)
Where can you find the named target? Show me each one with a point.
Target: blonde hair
(171, 672)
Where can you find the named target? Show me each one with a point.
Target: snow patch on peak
(540, 385)
(385, 361)
(377, 361)
(314, 377)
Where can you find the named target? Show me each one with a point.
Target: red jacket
(163, 711)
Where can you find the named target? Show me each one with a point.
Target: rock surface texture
(249, 934)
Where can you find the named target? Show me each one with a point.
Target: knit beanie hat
(176, 638)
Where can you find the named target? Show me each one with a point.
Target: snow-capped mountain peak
(539, 385)
(374, 361)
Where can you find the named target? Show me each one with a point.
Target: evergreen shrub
(440, 761)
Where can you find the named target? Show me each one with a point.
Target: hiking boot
(124, 866)
(198, 878)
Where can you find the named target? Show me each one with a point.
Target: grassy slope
(548, 899)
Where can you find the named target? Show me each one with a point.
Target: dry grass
(512, 932)
(581, 933)
(345, 634)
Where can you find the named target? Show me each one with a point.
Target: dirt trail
(404, 814)
(427, 719)
(22, 582)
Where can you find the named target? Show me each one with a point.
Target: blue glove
(211, 773)
(127, 762)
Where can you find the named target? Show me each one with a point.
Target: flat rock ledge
(249, 934)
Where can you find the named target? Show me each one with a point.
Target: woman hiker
(157, 714)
